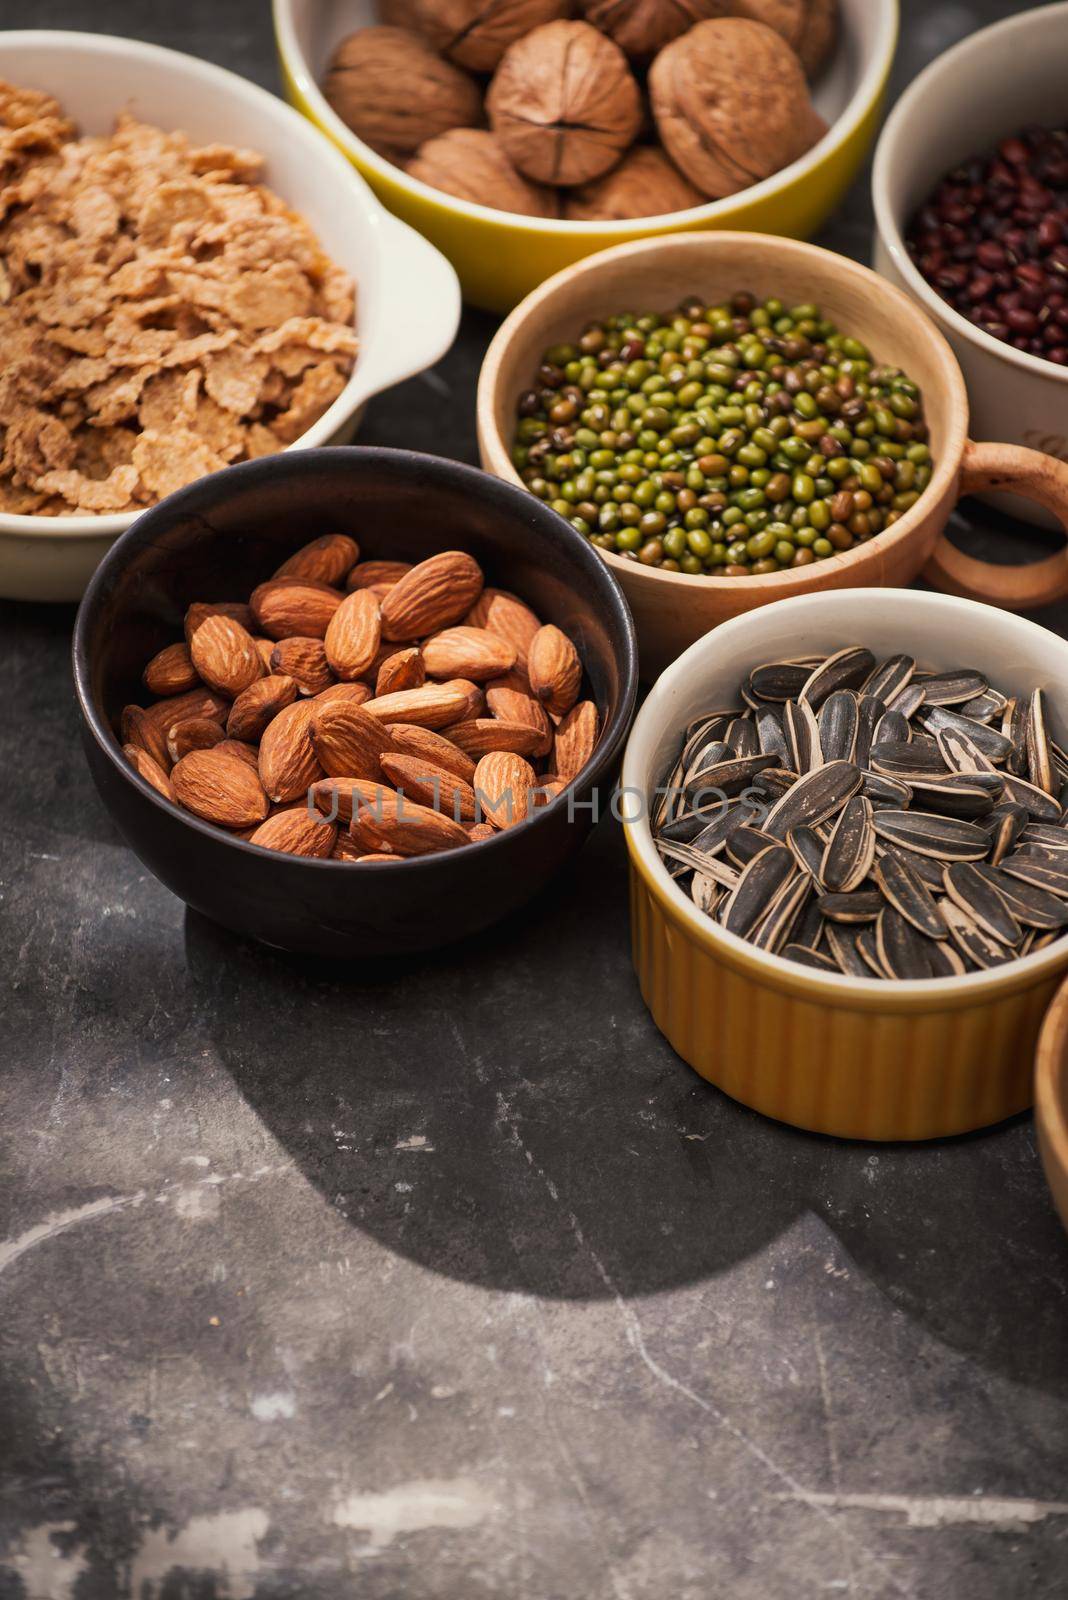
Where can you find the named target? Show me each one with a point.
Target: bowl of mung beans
(734, 419)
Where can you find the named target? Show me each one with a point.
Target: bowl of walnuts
(521, 135)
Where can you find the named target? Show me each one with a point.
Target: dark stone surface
(457, 1282)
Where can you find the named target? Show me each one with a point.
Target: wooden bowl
(672, 609)
(1051, 1098)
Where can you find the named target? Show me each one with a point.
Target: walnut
(642, 27)
(469, 163)
(395, 93)
(809, 27)
(732, 105)
(564, 103)
(473, 33)
(645, 184)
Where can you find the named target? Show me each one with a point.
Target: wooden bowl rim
(1051, 1082)
(497, 456)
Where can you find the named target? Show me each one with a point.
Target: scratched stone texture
(456, 1282)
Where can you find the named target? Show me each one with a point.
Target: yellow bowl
(860, 1058)
(500, 257)
(1051, 1099)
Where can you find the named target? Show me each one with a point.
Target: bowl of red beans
(970, 188)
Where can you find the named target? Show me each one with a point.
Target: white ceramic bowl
(408, 297)
(854, 1056)
(501, 256)
(985, 88)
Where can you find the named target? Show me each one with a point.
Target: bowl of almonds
(849, 852)
(354, 702)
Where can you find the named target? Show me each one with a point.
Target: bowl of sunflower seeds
(846, 821)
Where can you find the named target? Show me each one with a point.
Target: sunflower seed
(907, 700)
(970, 939)
(892, 728)
(906, 891)
(742, 737)
(838, 725)
(862, 905)
(808, 849)
(926, 868)
(770, 735)
(813, 798)
(985, 707)
(869, 711)
(745, 843)
(802, 735)
(1005, 824)
(1046, 835)
(994, 745)
(986, 907)
(765, 876)
(686, 829)
(866, 948)
(712, 839)
(777, 925)
(883, 791)
(843, 947)
(725, 778)
(810, 925)
(947, 961)
(779, 680)
(1039, 805)
(1043, 874)
(912, 759)
(960, 753)
(1036, 743)
(947, 838)
(704, 892)
(850, 850)
(952, 688)
(1014, 728)
(711, 866)
(969, 795)
(901, 950)
(890, 677)
(846, 669)
(712, 754)
(805, 956)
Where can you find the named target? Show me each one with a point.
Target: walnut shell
(810, 27)
(395, 93)
(469, 163)
(732, 105)
(645, 184)
(564, 104)
(473, 33)
(642, 27)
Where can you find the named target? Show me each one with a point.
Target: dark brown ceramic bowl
(220, 537)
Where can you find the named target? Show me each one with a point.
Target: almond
(346, 849)
(474, 699)
(433, 747)
(377, 574)
(548, 788)
(335, 797)
(225, 655)
(373, 859)
(286, 606)
(574, 740)
(324, 560)
(479, 831)
(431, 785)
(197, 703)
(148, 769)
(296, 832)
(504, 785)
(287, 761)
(504, 614)
(304, 661)
(405, 669)
(198, 613)
(390, 821)
(432, 595)
(353, 635)
(348, 740)
(171, 671)
(265, 648)
(473, 653)
(244, 752)
(432, 706)
(492, 733)
(219, 788)
(137, 728)
(554, 670)
(510, 699)
(194, 733)
(358, 693)
(257, 705)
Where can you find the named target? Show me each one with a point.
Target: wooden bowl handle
(1006, 467)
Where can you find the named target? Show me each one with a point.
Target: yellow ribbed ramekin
(859, 1058)
(501, 256)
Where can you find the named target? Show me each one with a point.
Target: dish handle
(420, 306)
(1006, 467)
